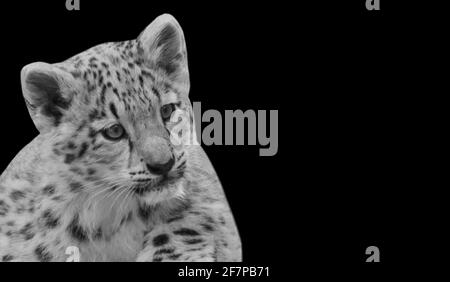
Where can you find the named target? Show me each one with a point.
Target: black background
(343, 173)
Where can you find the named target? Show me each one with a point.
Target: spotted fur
(135, 197)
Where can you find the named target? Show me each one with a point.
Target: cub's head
(112, 114)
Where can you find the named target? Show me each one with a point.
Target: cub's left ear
(163, 47)
(48, 92)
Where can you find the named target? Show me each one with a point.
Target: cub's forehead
(115, 73)
(112, 53)
(111, 65)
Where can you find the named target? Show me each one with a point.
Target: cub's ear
(48, 91)
(163, 47)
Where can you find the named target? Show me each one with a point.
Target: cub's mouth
(157, 184)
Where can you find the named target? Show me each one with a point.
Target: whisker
(121, 192)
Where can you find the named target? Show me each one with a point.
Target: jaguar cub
(105, 174)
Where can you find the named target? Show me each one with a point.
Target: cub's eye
(114, 132)
(167, 110)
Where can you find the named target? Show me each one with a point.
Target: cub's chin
(162, 189)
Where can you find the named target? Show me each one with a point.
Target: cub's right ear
(48, 92)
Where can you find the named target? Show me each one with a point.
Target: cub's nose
(161, 168)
